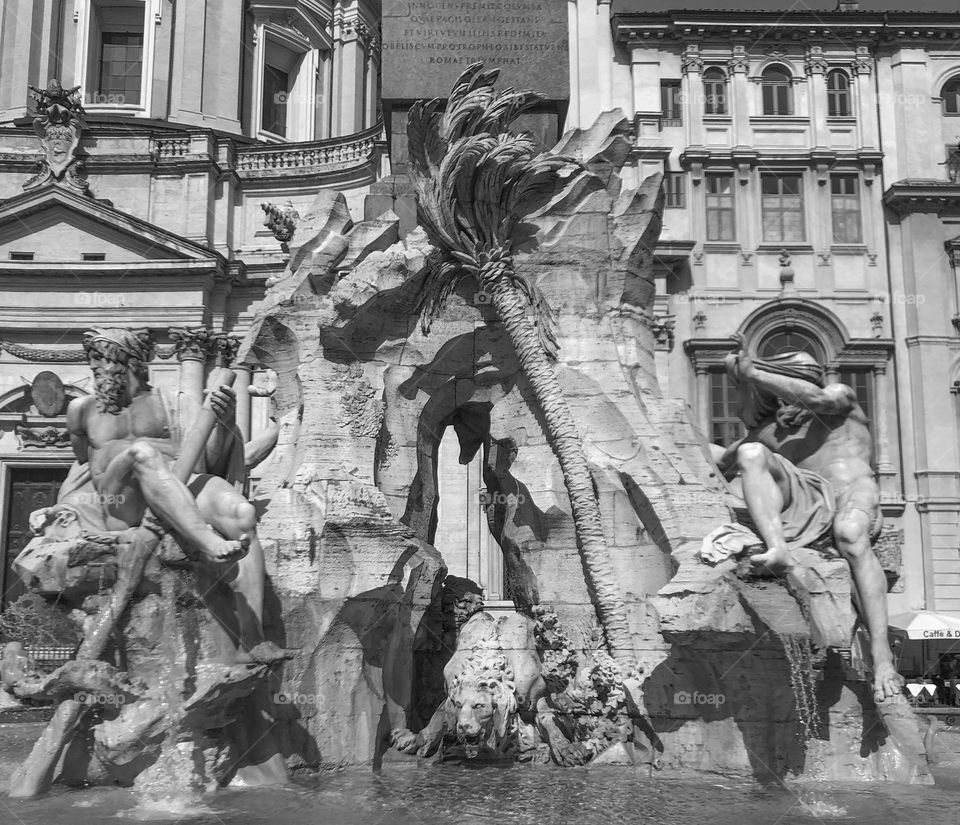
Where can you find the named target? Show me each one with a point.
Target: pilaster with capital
(815, 67)
(691, 65)
(739, 66)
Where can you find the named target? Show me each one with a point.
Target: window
(714, 92)
(115, 53)
(951, 97)
(777, 91)
(276, 89)
(861, 381)
(778, 343)
(782, 207)
(288, 101)
(838, 94)
(21, 256)
(673, 184)
(720, 210)
(121, 66)
(670, 103)
(725, 424)
(93, 256)
(845, 207)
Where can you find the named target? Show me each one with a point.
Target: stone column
(881, 435)
(703, 398)
(691, 64)
(193, 348)
(242, 386)
(815, 67)
(739, 65)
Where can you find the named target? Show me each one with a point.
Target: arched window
(838, 94)
(714, 92)
(783, 341)
(951, 97)
(777, 91)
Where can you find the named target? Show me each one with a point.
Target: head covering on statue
(758, 406)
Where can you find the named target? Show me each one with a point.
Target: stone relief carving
(41, 436)
(58, 121)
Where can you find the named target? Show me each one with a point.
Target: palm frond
(477, 185)
(441, 282)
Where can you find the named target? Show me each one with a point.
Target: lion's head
(483, 698)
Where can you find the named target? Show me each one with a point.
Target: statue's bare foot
(775, 562)
(221, 551)
(887, 683)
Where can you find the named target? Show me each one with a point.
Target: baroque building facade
(811, 173)
(151, 186)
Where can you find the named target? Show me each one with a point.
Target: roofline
(866, 24)
(35, 199)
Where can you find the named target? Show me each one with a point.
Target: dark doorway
(30, 489)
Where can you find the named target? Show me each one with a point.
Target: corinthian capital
(193, 343)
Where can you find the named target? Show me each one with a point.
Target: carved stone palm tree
(477, 184)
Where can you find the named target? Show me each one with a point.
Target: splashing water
(165, 793)
(803, 681)
(168, 788)
(818, 806)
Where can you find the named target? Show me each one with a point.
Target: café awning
(925, 624)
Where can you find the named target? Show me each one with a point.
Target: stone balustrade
(324, 154)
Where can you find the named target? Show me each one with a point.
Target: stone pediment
(61, 228)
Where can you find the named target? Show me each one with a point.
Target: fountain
(521, 315)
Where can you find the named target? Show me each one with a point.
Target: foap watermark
(101, 99)
(99, 299)
(902, 298)
(695, 698)
(103, 499)
(488, 499)
(100, 699)
(288, 697)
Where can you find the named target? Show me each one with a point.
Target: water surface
(451, 793)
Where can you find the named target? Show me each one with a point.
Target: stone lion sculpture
(493, 684)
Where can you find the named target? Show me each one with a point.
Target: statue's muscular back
(837, 446)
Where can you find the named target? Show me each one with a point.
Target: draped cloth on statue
(78, 492)
(807, 518)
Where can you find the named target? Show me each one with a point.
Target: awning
(925, 624)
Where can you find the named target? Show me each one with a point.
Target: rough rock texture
(364, 397)
(349, 500)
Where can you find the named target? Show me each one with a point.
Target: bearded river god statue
(152, 466)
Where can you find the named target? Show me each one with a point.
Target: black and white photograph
(479, 412)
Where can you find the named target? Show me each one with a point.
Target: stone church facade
(194, 116)
(813, 201)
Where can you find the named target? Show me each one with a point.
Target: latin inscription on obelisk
(427, 43)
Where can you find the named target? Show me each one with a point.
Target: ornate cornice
(922, 195)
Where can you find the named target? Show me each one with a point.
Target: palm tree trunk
(511, 306)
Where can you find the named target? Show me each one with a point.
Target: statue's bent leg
(766, 493)
(235, 517)
(851, 534)
(167, 497)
